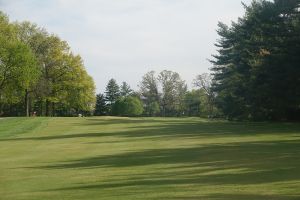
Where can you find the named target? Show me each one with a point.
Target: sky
(124, 39)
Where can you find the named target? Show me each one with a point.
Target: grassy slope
(151, 158)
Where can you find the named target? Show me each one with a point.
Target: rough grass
(148, 158)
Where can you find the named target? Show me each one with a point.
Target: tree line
(163, 94)
(257, 68)
(39, 74)
(255, 74)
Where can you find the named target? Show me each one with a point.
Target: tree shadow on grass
(140, 120)
(237, 153)
(215, 165)
(177, 129)
(240, 197)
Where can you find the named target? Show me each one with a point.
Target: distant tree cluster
(165, 94)
(39, 74)
(118, 100)
(257, 68)
(167, 102)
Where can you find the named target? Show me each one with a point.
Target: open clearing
(148, 158)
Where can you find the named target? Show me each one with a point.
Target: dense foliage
(39, 74)
(128, 106)
(256, 70)
(101, 107)
(118, 100)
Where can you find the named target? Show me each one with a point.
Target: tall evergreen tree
(101, 107)
(112, 93)
(125, 89)
(257, 66)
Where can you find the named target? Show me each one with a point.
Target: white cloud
(126, 38)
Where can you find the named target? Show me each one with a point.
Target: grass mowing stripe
(16, 126)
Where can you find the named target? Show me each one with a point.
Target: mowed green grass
(148, 158)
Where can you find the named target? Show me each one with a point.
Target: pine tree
(101, 107)
(125, 90)
(257, 64)
(112, 93)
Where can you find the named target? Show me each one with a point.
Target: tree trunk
(41, 108)
(1, 107)
(53, 109)
(26, 103)
(47, 108)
